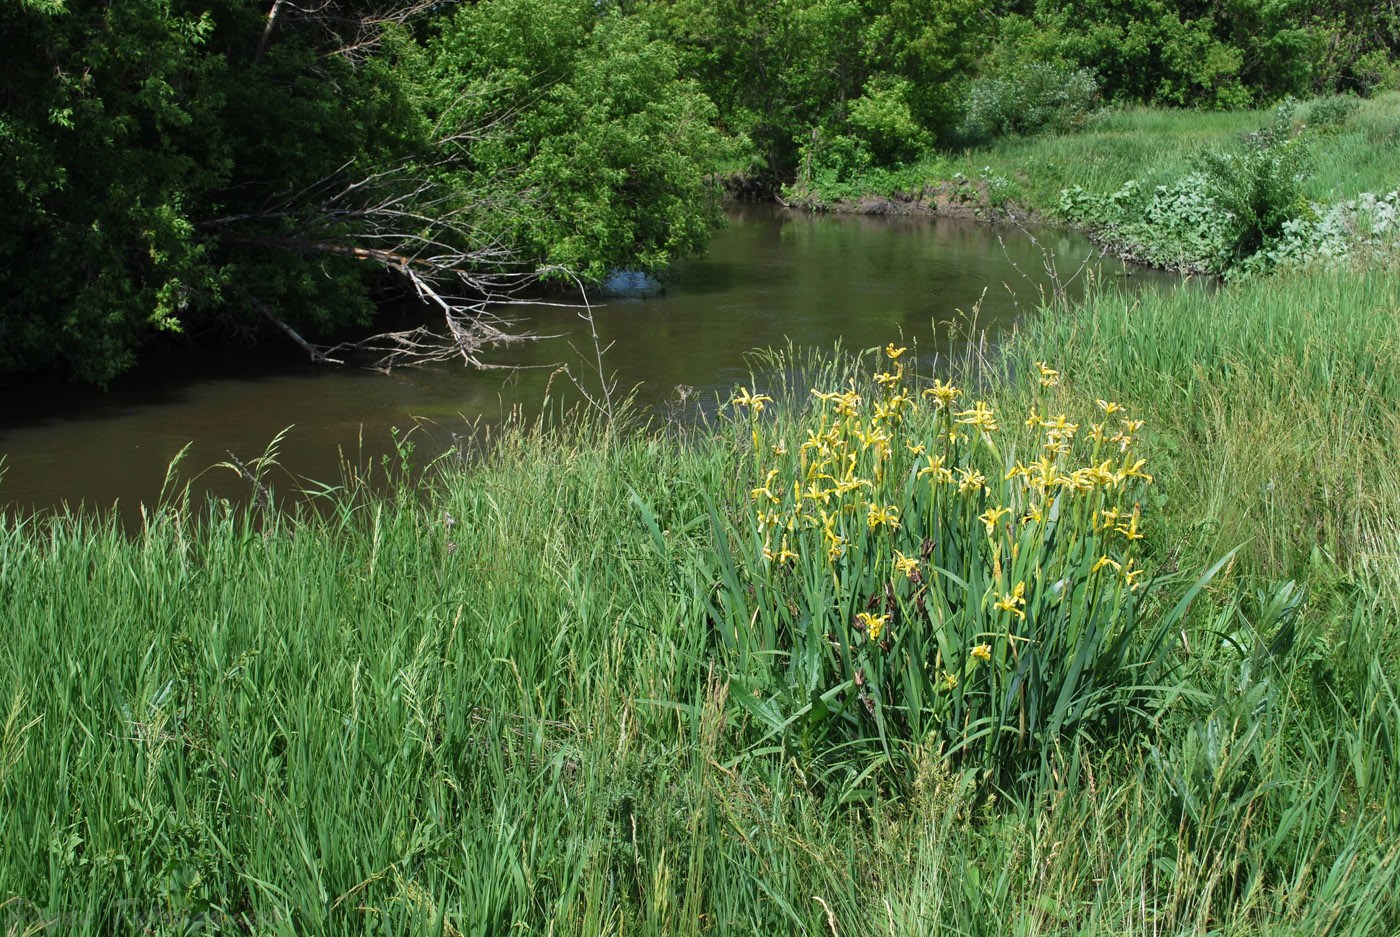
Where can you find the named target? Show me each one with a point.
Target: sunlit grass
(1152, 146)
(1274, 405)
(501, 703)
(1157, 146)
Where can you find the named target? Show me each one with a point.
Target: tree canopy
(207, 167)
(229, 168)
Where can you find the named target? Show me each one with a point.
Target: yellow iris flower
(874, 624)
(1130, 529)
(882, 516)
(782, 556)
(990, 518)
(980, 416)
(753, 401)
(970, 480)
(1013, 601)
(1135, 471)
(1105, 561)
(943, 394)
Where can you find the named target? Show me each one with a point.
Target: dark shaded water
(770, 276)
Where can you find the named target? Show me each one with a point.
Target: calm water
(768, 277)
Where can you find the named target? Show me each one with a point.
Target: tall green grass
(496, 702)
(1157, 147)
(380, 719)
(1274, 405)
(1151, 146)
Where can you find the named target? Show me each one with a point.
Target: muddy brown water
(769, 277)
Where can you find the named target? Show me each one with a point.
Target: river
(769, 276)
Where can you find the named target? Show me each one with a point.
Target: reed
(504, 699)
(1271, 410)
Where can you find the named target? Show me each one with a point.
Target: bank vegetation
(1095, 637)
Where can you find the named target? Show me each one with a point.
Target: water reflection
(769, 277)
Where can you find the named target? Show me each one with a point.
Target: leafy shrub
(1330, 114)
(842, 167)
(1030, 97)
(830, 160)
(1231, 212)
(1178, 225)
(1260, 186)
(1367, 223)
(882, 117)
(907, 579)
(1375, 71)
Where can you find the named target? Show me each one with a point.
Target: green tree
(1212, 53)
(606, 146)
(97, 135)
(797, 78)
(215, 168)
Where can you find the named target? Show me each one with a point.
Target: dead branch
(349, 30)
(317, 352)
(465, 294)
(409, 226)
(444, 242)
(267, 30)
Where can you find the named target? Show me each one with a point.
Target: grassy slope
(1155, 147)
(387, 722)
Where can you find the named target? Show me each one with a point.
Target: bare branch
(444, 242)
(267, 30)
(317, 352)
(351, 31)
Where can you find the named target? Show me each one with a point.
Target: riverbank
(769, 274)
(504, 701)
(1132, 180)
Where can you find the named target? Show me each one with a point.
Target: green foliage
(1260, 186)
(102, 148)
(338, 723)
(1223, 55)
(603, 139)
(793, 78)
(882, 117)
(1242, 207)
(1141, 50)
(787, 76)
(890, 595)
(143, 129)
(933, 45)
(1363, 229)
(1028, 98)
(1179, 225)
(1329, 115)
(194, 168)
